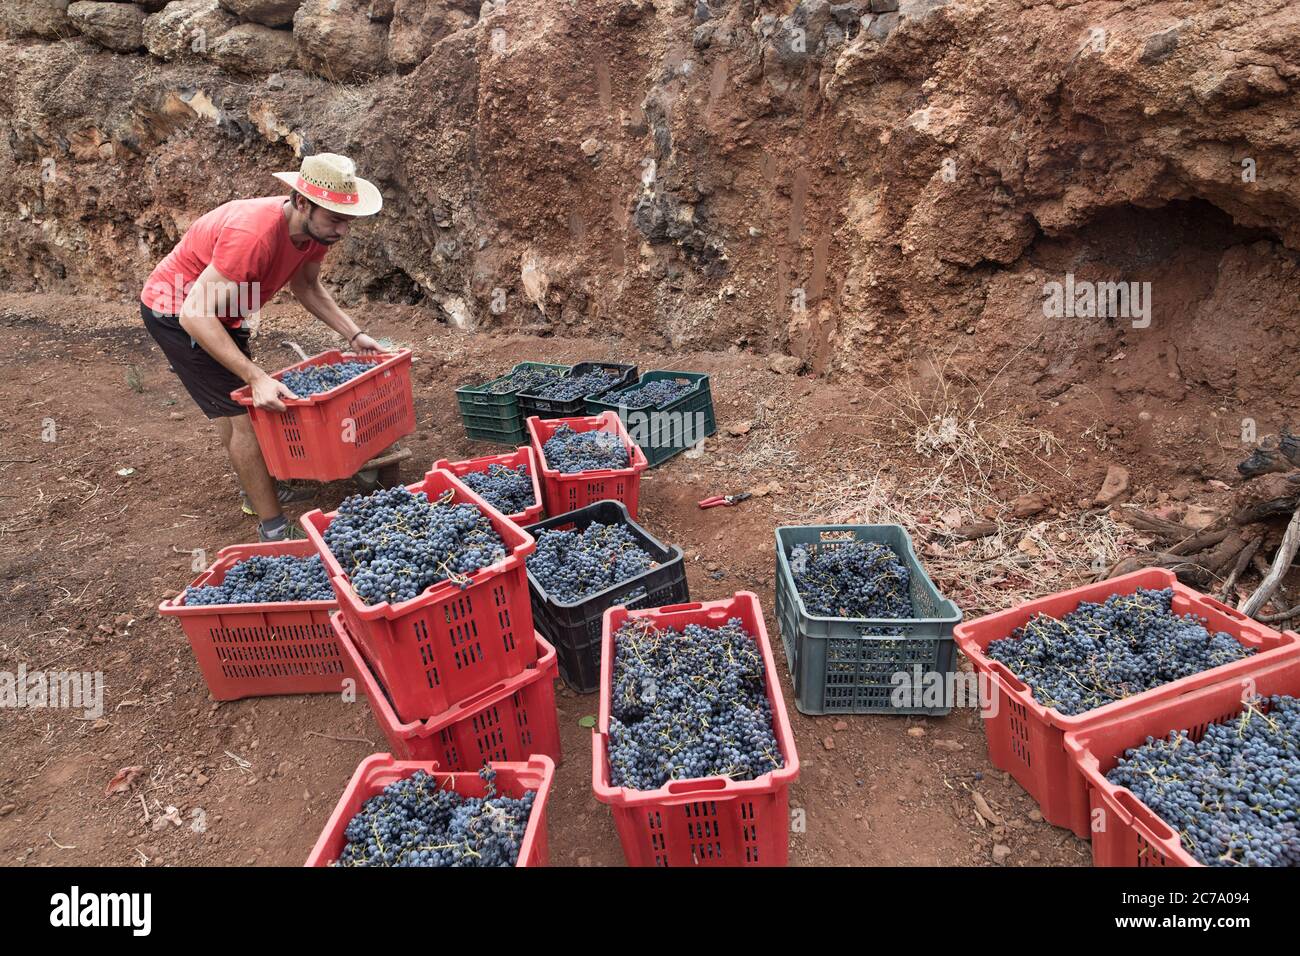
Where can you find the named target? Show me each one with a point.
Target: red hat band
(320, 192)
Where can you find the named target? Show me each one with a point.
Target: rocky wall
(861, 185)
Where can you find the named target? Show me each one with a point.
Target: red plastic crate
(1026, 739)
(709, 821)
(565, 493)
(379, 770)
(508, 721)
(520, 456)
(1125, 832)
(254, 650)
(447, 644)
(329, 436)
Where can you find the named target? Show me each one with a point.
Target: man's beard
(312, 233)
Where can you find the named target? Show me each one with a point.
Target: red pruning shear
(725, 501)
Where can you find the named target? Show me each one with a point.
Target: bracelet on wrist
(355, 334)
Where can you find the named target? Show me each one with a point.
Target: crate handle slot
(697, 786)
(474, 701)
(1220, 606)
(1000, 669)
(693, 606)
(1144, 819)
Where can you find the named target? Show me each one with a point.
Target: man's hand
(365, 345)
(316, 299)
(268, 391)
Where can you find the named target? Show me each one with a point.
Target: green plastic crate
(485, 412)
(490, 422)
(852, 665)
(498, 436)
(670, 429)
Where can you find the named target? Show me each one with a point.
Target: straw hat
(330, 180)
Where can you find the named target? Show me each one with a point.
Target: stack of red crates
(456, 675)
(702, 821)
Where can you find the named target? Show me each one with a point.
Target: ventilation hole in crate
(381, 408)
(457, 635)
(707, 852)
(492, 744)
(1149, 855)
(455, 610)
(467, 656)
(1019, 733)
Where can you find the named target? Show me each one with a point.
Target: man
(227, 264)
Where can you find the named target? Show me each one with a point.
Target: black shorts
(207, 380)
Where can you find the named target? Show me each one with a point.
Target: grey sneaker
(285, 494)
(290, 532)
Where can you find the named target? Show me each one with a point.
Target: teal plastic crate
(857, 665)
(669, 429)
(484, 412)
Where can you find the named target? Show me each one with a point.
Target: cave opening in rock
(1220, 299)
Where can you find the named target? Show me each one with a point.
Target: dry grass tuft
(955, 427)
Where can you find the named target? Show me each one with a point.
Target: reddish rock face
(854, 186)
(47, 19)
(253, 48)
(338, 40)
(117, 26)
(271, 13)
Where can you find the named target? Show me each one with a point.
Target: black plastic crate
(542, 407)
(575, 628)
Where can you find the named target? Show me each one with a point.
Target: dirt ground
(86, 555)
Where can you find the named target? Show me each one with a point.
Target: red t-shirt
(247, 240)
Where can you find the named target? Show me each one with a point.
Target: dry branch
(1239, 565)
(1144, 521)
(1201, 540)
(1266, 497)
(1281, 564)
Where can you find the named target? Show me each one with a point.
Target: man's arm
(316, 299)
(198, 317)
